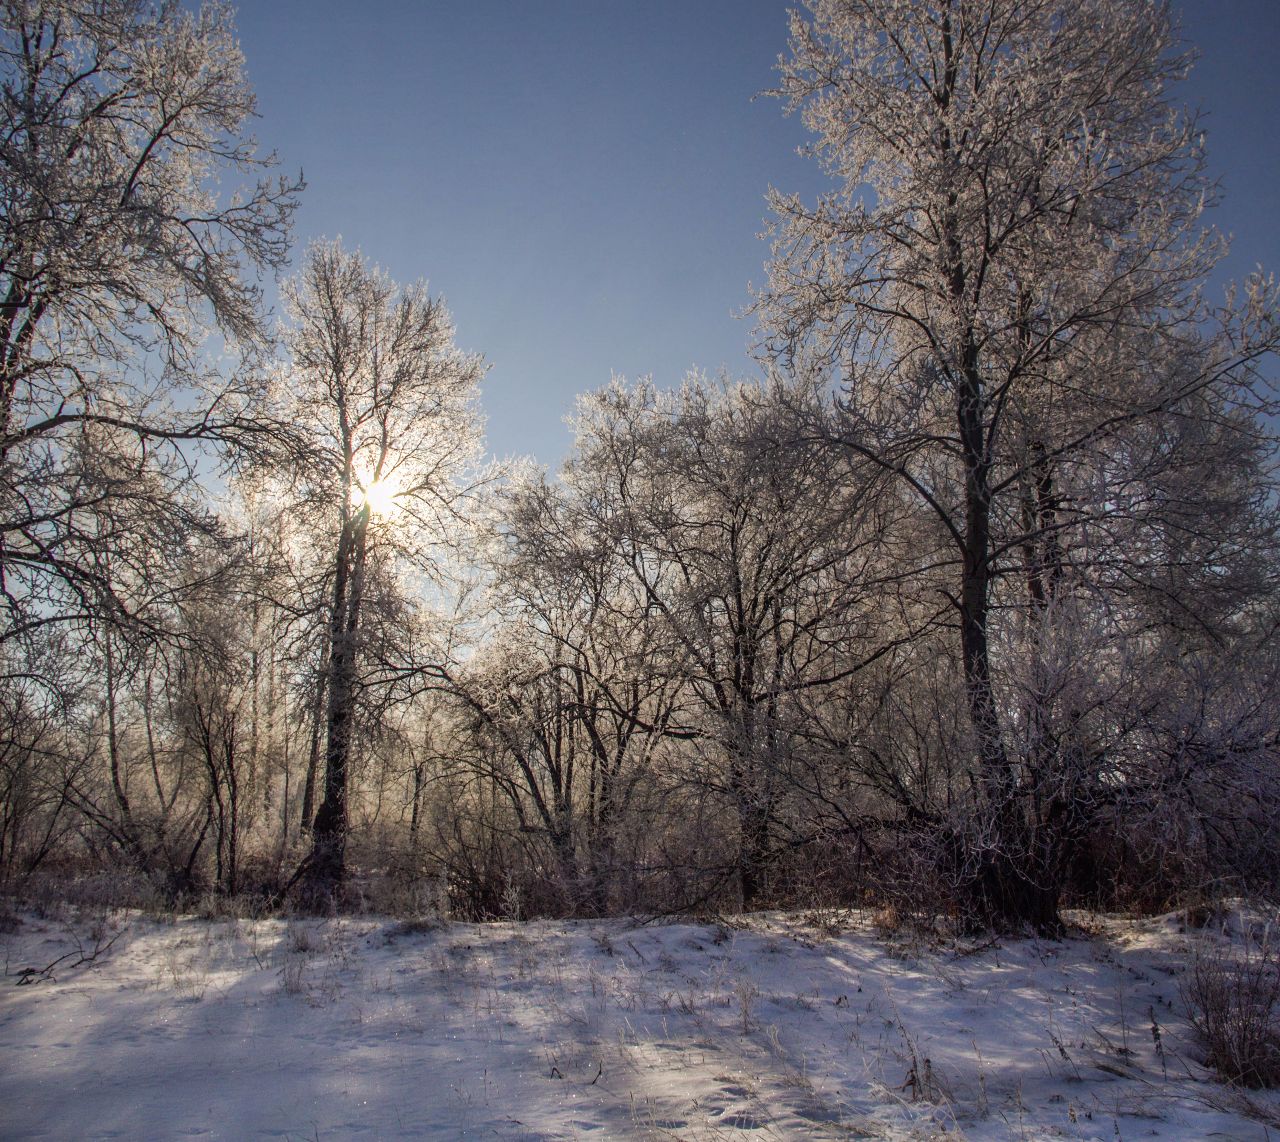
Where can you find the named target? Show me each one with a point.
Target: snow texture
(772, 1027)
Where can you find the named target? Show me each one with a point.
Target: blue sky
(584, 180)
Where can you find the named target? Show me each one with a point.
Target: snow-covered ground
(778, 1027)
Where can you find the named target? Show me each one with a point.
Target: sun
(380, 496)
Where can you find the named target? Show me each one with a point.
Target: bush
(1233, 999)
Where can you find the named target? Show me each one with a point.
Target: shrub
(1233, 999)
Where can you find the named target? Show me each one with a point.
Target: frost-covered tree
(386, 403)
(717, 503)
(570, 698)
(1007, 280)
(119, 251)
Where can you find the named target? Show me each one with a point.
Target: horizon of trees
(966, 606)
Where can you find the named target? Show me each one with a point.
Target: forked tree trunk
(324, 874)
(1013, 885)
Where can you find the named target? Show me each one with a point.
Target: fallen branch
(45, 974)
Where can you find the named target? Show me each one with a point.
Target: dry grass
(1233, 999)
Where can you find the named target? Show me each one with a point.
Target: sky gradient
(584, 180)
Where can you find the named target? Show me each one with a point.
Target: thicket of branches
(966, 607)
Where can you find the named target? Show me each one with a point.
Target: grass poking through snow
(780, 1027)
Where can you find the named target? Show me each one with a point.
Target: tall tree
(387, 403)
(118, 252)
(1007, 280)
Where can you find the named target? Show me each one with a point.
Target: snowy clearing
(777, 1027)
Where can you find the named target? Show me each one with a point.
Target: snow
(767, 1027)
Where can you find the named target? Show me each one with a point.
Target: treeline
(966, 607)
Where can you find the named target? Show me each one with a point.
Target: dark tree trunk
(324, 874)
(754, 812)
(307, 817)
(415, 819)
(1014, 886)
(753, 850)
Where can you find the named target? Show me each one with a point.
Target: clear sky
(584, 180)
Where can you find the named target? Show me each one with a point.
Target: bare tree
(1007, 281)
(39, 763)
(568, 699)
(387, 403)
(117, 253)
(719, 509)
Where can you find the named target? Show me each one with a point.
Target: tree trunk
(754, 812)
(307, 817)
(415, 819)
(753, 847)
(325, 871)
(1012, 886)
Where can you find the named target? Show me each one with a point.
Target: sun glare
(380, 495)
